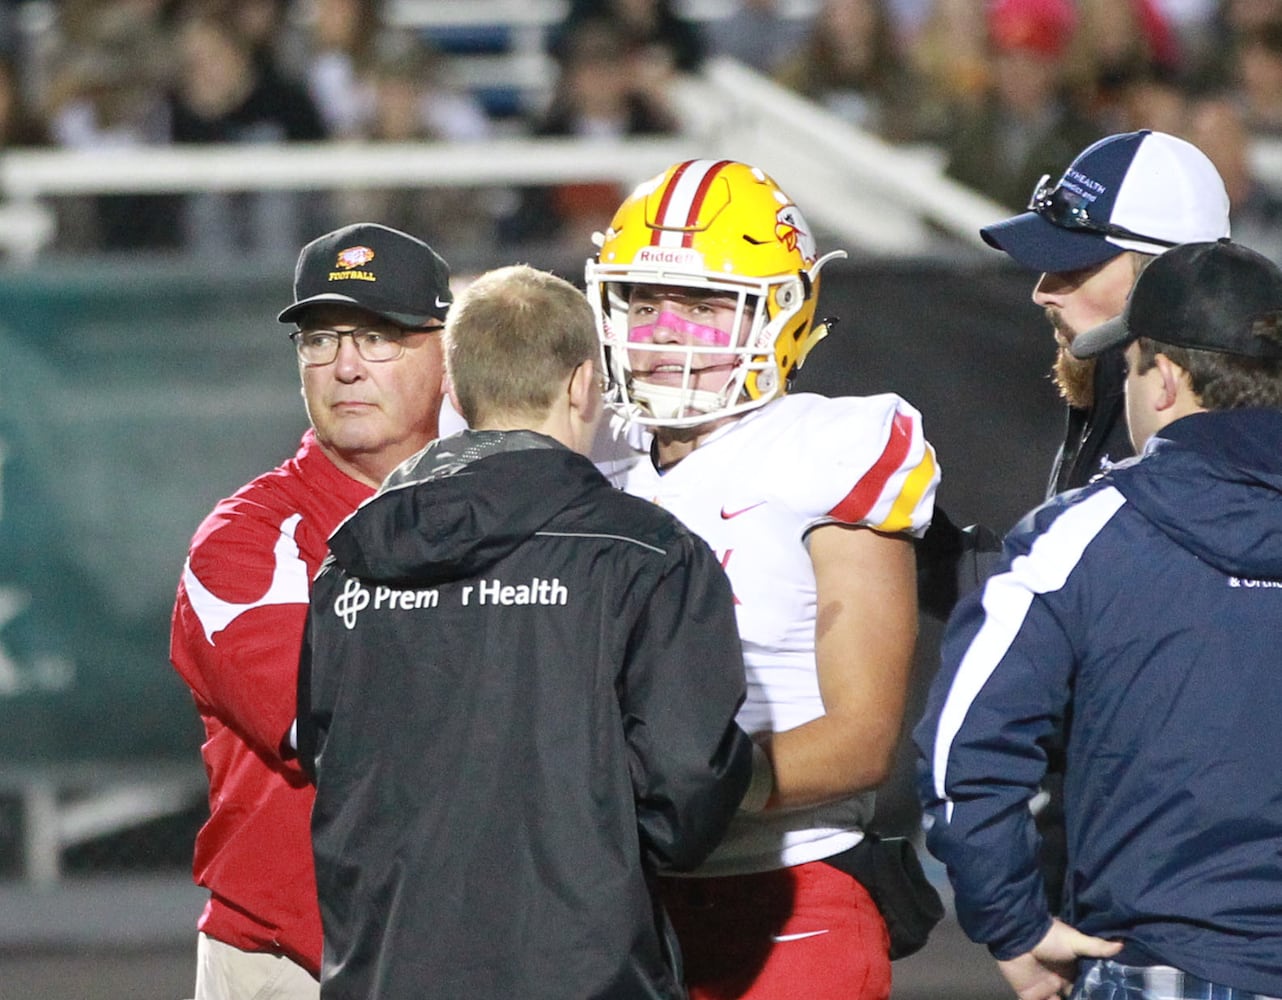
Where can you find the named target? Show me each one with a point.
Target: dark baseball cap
(388, 272)
(1217, 296)
(1144, 191)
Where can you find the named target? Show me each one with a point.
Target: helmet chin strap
(669, 404)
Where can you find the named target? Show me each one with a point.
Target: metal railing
(64, 805)
(872, 196)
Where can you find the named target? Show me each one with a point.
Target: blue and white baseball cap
(1145, 191)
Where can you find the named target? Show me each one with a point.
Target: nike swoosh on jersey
(784, 938)
(726, 515)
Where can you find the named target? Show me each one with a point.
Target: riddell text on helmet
(676, 255)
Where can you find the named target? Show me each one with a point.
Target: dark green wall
(133, 397)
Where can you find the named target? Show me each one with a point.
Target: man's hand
(1050, 968)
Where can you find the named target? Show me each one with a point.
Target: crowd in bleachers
(1006, 90)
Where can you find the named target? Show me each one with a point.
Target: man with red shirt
(369, 301)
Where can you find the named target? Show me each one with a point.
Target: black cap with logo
(387, 272)
(1217, 296)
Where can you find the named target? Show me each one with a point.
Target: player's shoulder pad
(860, 460)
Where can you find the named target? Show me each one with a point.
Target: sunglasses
(1065, 208)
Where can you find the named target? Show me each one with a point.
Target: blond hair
(512, 338)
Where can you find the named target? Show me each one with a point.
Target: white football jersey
(753, 490)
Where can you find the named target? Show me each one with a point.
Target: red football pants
(805, 933)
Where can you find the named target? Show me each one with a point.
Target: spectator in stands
(1024, 128)
(19, 124)
(409, 85)
(1118, 47)
(369, 303)
(671, 42)
(398, 93)
(596, 98)
(1240, 17)
(340, 47)
(948, 56)
(1217, 126)
(1158, 102)
(273, 37)
(659, 44)
(597, 94)
(409, 102)
(850, 63)
(223, 95)
(8, 28)
(758, 33)
(106, 90)
(659, 40)
(1125, 67)
(1258, 76)
(265, 25)
(1231, 22)
(1193, 24)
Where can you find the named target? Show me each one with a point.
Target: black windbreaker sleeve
(309, 724)
(681, 687)
(304, 729)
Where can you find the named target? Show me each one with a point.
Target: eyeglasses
(320, 347)
(1067, 209)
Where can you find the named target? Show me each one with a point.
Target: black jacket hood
(472, 498)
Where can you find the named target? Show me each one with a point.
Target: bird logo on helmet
(717, 227)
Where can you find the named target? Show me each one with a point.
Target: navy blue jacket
(1144, 613)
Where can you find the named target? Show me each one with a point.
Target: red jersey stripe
(859, 501)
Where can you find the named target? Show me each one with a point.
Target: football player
(705, 289)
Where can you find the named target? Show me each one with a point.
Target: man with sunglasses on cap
(1122, 201)
(369, 302)
(1140, 613)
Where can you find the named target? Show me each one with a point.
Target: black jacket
(1097, 438)
(518, 693)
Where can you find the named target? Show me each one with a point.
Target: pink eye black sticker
(708, 335)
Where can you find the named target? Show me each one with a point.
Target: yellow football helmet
(727, 228)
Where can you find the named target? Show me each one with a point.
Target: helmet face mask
(704, 229)
(677, 375)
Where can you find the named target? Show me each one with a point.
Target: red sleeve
(238, 620)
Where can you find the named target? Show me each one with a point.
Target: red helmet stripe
(697, 202)
(661, 214)
(859, 501)
(682, 200)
